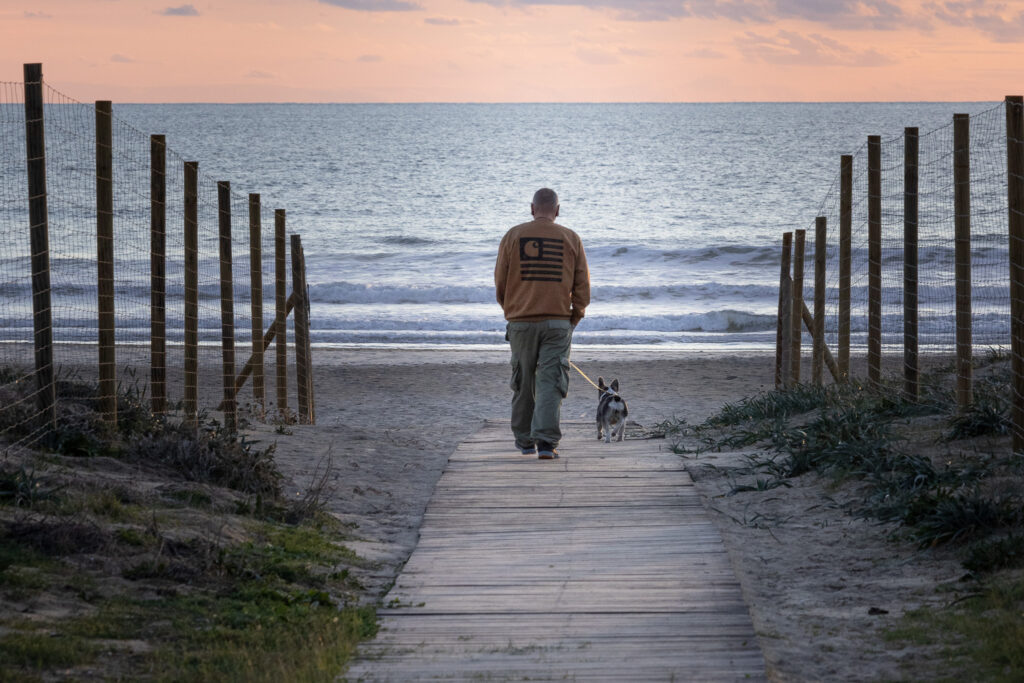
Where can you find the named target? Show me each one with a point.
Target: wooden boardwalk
(601, 565)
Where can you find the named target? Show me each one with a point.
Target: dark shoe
(529, 450)
(547, 451)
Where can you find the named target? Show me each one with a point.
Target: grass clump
(23, 488)
(995, 554)
(988, 415)
(257, 635)
(210, 454)
(41, 651)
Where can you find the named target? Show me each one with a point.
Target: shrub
(210, 454)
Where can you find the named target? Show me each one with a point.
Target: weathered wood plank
(601, 565)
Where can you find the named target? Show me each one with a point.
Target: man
(543, 285)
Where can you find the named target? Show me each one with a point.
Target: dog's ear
(615, 385)
(600, 383)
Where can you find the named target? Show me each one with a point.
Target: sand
(811, 573)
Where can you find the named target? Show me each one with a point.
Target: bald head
(545, 203)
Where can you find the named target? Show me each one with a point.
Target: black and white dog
(611, 411)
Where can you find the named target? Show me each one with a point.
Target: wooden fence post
(782, 333)
(1015, 201)
(268, 339)
(874, 260)
(105, 260)
(227, 306)
(301, 362)
(797, 302)
(256, 300)
(280, 297)
(818, 333)
(845, 233)
(962, 213)
(191, 397)
(158, 273)
(310, 394)
(39, 238)
(911, 369)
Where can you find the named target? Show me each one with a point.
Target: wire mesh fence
(146, 297)
(929, 245)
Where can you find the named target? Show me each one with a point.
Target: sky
(518, 50)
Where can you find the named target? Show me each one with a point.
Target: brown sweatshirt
(541, 273)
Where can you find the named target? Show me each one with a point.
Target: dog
(611, 411)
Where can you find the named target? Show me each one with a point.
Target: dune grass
(202, 573)
(934, 475)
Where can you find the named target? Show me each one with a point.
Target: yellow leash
(576, 367)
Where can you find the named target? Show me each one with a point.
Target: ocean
(401, 206)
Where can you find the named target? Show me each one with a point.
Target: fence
(122, 263)
(910, 253)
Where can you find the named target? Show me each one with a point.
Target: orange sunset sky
(518, 50)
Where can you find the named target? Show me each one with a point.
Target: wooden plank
(580, 568)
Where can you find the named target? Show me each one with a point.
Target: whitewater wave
(361, 293)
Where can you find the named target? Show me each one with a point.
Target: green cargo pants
(540, 379)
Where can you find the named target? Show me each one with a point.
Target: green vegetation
(934, 475)
(163, 550)
(937, 494)
(980, 635)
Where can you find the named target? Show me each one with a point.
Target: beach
(821, 585)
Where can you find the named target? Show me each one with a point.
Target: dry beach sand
(811, 573)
